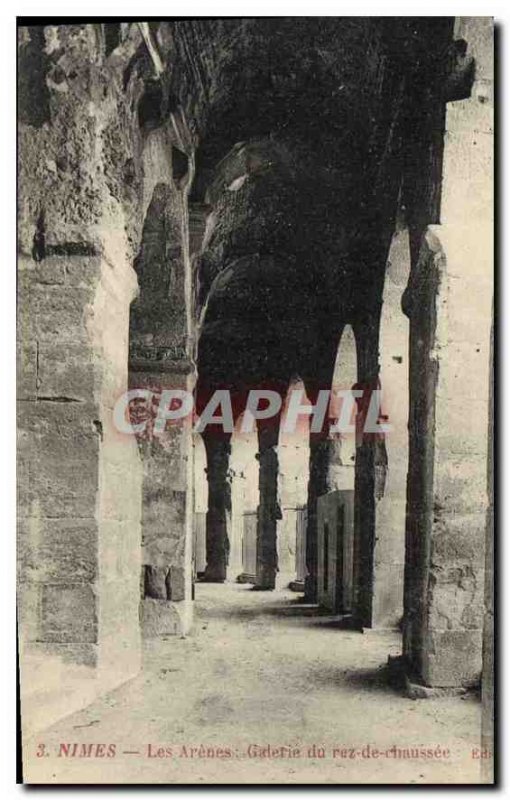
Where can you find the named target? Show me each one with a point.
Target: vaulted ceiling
(305, 132)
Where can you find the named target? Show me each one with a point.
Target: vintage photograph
(255, 400)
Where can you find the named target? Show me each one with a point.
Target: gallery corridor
(264, 690)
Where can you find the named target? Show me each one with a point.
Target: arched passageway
(233, 206)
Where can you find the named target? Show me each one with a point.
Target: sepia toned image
(255, 400)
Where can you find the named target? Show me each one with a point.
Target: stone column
(321, 449)
(343, 452)
(241, 453)
(160, 360)
(79, 486)
(449, 302)
(79, 479)
(165, 584)
(219, 507)
(269, 509)
(381, 458)
(245, 499)
(370, 469)
(293, 460)
(390, 507)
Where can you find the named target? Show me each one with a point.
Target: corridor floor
(261, 670)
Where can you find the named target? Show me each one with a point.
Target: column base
(402, 676)
(266, 579)
(246, 577)
(216, 574)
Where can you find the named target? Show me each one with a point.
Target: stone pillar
(269, 509)
(218, 508)
(245, 499)
(449, 302)
(343, 451)
(321, 446)
(390, 507)
(160, 359)
(165, 583)
(293, 458)
(235, 563)
(370, 469)
(79, 486)
(381, 458)
(200, 499)
(240, 451)
(320, 459)
(79, 479)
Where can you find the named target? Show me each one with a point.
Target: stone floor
(258, 670)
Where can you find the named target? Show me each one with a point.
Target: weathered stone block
(454, 658)
(457, 537)
(163, 525)
(26, 385)
(58, 447)
(57, 550)
(159, 618)
(50, 271)
(155, 582)
(61, 315)
(29, 599)
(65, 370)
(164, 459)
(177, 583)
(455, 597)
(463, 425)
(25, 281)
(79, 271)
(459, 485)
(68, 614)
